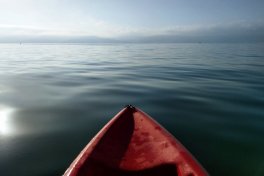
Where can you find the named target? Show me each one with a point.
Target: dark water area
(54, 99)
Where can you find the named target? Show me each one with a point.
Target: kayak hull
(133, 144)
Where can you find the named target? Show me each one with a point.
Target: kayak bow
(133, 144)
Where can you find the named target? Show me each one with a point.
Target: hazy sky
(128, 18)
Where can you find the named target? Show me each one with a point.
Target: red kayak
(133, 144)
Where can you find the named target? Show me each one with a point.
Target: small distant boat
(133, 144)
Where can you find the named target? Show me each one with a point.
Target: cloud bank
(102, 32)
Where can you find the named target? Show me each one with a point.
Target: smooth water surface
(54, 98)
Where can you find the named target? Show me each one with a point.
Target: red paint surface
(133, 144)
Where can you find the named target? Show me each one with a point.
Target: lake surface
(54, 98)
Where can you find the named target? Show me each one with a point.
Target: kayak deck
(133, 144)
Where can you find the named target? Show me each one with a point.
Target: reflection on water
(55, 98)
(5, 124)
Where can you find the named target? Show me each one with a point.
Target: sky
(131, 20)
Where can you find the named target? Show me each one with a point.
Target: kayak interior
(133, 144)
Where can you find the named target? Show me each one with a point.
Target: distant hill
(56, 39)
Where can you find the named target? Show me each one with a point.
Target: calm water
(55, 98)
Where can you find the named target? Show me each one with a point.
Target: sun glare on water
(5, 115)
